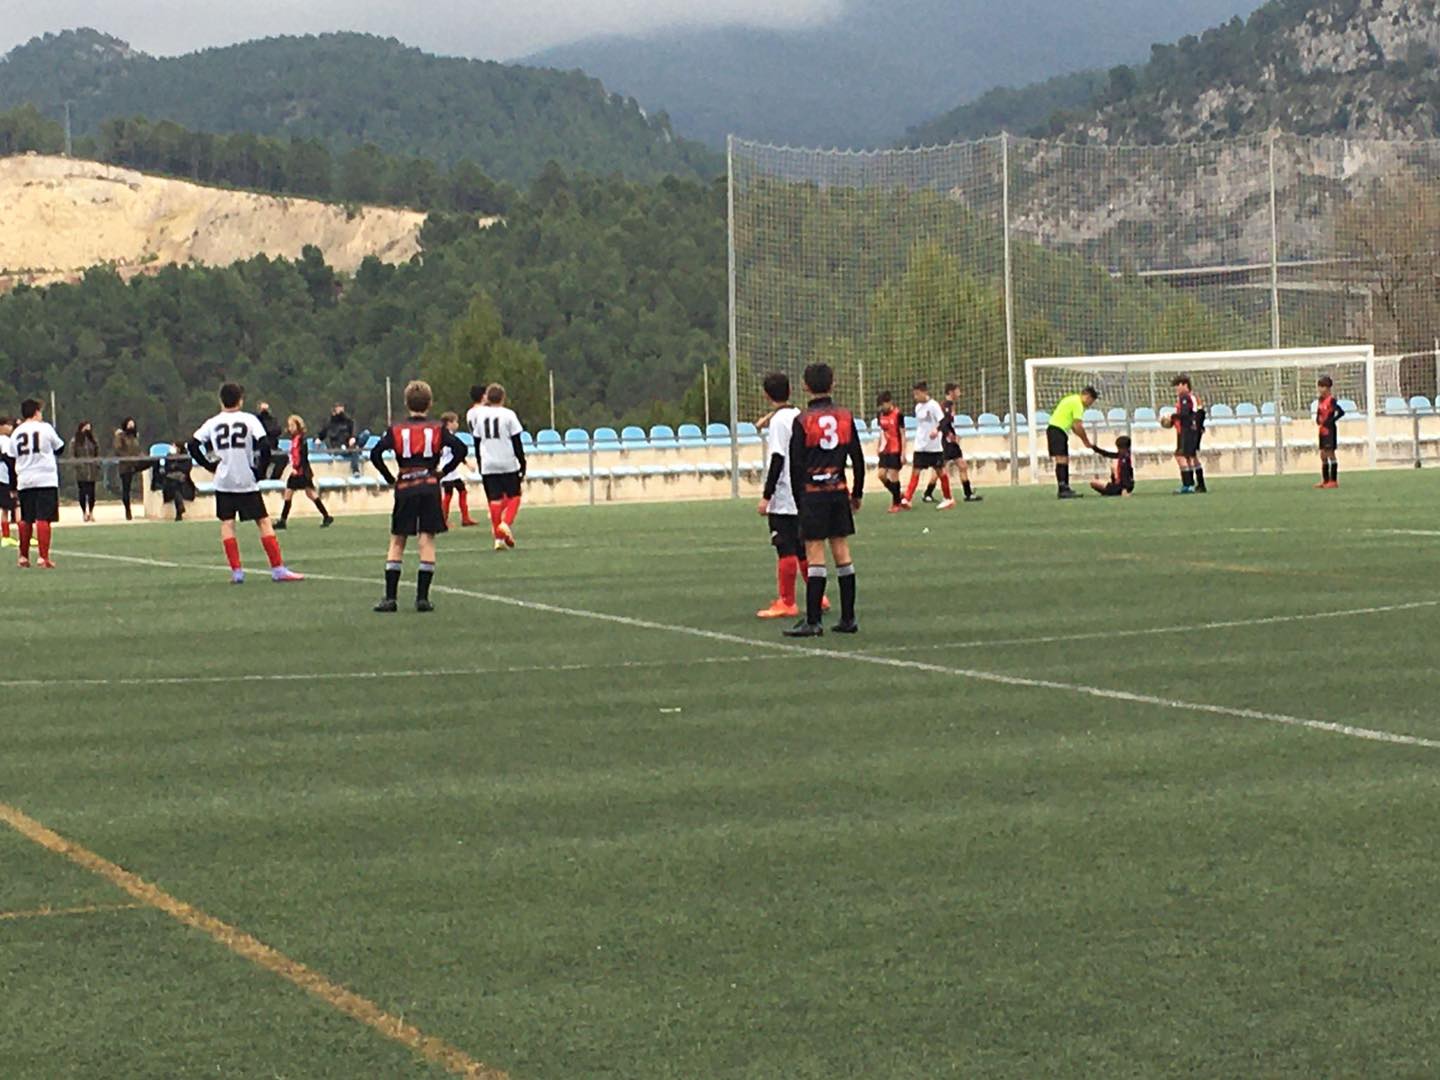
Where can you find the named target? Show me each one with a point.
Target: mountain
(353, 89)
(876, 69)
(1310, 67)
(1019, 111)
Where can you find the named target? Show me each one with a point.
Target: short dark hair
(231, 394)
(1092, 392)
(28, 408)
(477, 393)
(921, 385)
(777, 386)
(951, 386)
(1325, 381)
(495, 393)
(1122, 443)
(819, 378)
(418, 396)
(885, 397)
(1181, 378)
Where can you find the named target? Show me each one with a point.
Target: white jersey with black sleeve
(928, 415)
(6, 452)
(232, 441)
(34, 445)
(777, 442)
(495, 428)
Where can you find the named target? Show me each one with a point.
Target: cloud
(496, 29)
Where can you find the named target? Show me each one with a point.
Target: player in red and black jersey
(419, 445)
(1327, 416)
(954, 455)
(1189, 430)
(823, 442)
(1122, 473)
(892, 447)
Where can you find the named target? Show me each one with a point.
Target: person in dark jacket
(175, 482)
(339, 431)
(272, 436)
(126, 445)
(86, 453)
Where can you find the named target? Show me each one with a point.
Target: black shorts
(417, 512)
(40, 504)
(304, 482)
(785, 535)
(1187, 442)
(824, 517)
(247, 506)
(453, 485)
(505, 485)
(1112, 489)
(1057, 441)
(7, 497)
(1329, 440)
(953, 452)
(892, 461)
(931, 459)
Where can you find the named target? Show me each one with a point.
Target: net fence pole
(389, 403)
(734, 358)
(705, 385)
(1274, 255)
(1371, 424)
(551, 374)
(1437, 372)
(1009, 309)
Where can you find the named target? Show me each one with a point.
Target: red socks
(512, 507)
(232, 553)
(24, 539)
(445, 504)
(42, 532)
(272, 551)
(914, 483)
(786, 572)
(945, 484)
(465, 518)
(497, 509)
(4, 527)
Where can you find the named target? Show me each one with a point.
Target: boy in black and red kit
(1327, 417)
(1189, 431)
(892, 447)
(419, 444)
(823, 441)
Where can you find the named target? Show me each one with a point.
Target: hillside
(1311, 67)
(64, 216)
(876, 69)
(352, 89)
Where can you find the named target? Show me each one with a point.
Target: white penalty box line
(900, 663)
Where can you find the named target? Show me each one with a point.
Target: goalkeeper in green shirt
(1066, 418)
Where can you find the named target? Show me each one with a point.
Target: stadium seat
(989, 424)
(1246, 411)
(1092, 416)
(717, 434)
(1397, 406)
(1145, 417)
(1267, 408)
(577, 439)
(861, 426)
(159, 449)
(964, 423)
(1215, 414)
(331, 483)
(466, 438)
(549, 442)
(1021, 424)
(1117, 416)
(749, 434)
(527, 440)
(1420, 406)
(909, 423)
(691, 437)
(1042, 418)
(606, 439)
(283, 445)
(1352, 409)
(661, 437)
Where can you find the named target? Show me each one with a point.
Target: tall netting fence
(892, 265)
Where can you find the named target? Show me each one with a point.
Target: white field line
(973, 674)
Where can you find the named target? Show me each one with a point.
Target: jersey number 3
(829, 433)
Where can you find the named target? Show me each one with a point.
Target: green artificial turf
(573, 847)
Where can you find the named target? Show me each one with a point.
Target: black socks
(1199, 478)
(1062, 475)
(422, 581)
(846, 574)
(285, 512)
(814, 593)
(392, 580)
(1187, 478)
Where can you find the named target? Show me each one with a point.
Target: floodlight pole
(734, 373)
(1009, 309)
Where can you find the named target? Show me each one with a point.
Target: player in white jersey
(929, 454)
(34, 445)
(778, 505)
(234, 446)
(501, 451)
(7, 483)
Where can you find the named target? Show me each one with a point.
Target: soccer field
(1106, 788)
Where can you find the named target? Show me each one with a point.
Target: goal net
(1270, 390)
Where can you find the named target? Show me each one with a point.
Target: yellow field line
(256, 951)
(87, 909)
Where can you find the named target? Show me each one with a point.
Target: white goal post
(1267, 387)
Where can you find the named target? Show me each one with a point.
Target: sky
(489, 29)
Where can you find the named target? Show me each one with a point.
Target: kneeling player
(1122, 473)
(1327, 415)
(35, 445)
(235, 447)
(419, 444)
(823, 440)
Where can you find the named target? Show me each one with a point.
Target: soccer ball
(1167, 421)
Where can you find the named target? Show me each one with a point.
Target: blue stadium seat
(1214, 414)
(577, 439)
(1267, 408)
(909, 423)
(1145, 416)
(690, 436)
(1092, 416)
(717, 434)
(283, 445)
(1042, 418)
(1116, 415)
(1021, 424)
(527, 440)
(1246, 411)
(749, 435)
(989, 424)
(1420, 405)
(549, 442)
(1352, 410)
(861, 427)
(964, 423)
(1397, 406)
(159, 449)
(466, 438)
(607, 439)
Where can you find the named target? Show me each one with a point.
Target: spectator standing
(272, 437)
(132, 462)
(86, 453)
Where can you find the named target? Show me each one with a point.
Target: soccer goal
(1267, 389)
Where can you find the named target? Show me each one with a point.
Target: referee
(1065, 419)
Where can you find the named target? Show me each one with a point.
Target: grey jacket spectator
(339, 431)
